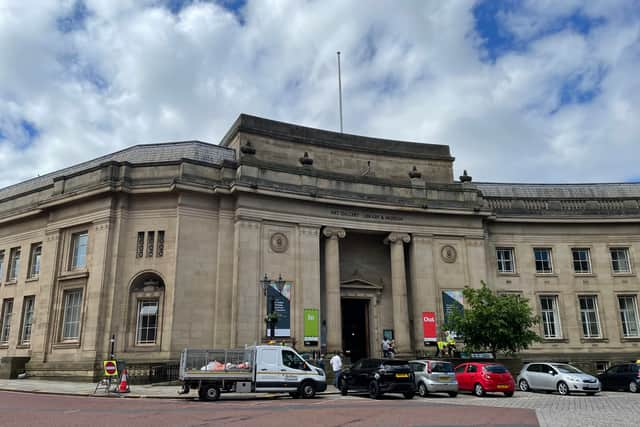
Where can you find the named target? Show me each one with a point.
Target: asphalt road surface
(24, 409)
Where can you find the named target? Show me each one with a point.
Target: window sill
(630, 339)
(593, 340)
(32, 279)
(508, 274)
(625, 274)
(4, 345)
(555, 340)
(584, 274)
(64, 345)
(546, 274)
(11, 282)
(23, 346)
(69, 275)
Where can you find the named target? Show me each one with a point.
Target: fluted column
(332, 286)
(399, 291)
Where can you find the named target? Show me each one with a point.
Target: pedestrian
(392, 349)
(440, 347)
(336, 366)
(451, 344)
(385, 347)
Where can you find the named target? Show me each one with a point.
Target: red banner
(429, 326)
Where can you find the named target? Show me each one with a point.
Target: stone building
(167, 246)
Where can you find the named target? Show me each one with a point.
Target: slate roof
(138, 154)
(560, 191)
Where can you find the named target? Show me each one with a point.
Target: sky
(522, 91)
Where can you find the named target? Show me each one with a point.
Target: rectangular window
(140, 245)
(160, 248)
(5, 329)
(589, 316)
(71, 310)
(543, 260)
(550, 316)
(1, 265)
(629, 315)
(79, 250)
(581, 260)
(27, 319)
(14, 265)
(34, 260)
(505, 260)
(147, 325)
(620, 260)
(150, 236)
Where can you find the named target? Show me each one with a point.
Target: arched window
(146, 308)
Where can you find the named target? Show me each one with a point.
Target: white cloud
(132, 72)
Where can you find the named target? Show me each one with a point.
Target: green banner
(311, 324)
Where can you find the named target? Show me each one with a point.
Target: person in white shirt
(385, 347)
(336, 366)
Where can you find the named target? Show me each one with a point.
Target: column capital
(397, 238)
(334, 232)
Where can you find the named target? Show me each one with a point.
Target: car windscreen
(496, 369)
(441, 367)
(567, 369)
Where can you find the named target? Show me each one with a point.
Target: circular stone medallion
(448, 254)
(279, 242)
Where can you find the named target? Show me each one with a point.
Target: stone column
(399, 291)
(332, 285)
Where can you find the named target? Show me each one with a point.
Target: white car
(560, 377)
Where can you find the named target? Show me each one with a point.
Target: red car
(480, 378)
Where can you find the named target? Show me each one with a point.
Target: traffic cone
(124, 386)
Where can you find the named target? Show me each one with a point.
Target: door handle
(263, 369)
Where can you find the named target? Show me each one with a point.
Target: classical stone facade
(166, 246)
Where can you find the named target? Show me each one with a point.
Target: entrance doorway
(355, 328)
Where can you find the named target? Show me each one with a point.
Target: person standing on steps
(385, 347)
(336, 366)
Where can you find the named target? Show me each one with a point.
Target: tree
(498, 323)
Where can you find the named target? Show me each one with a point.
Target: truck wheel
(307, 390)
(209, 393)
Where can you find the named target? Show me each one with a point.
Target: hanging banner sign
(311, 326)
(452, 302)
(429, 326)
(278, 302)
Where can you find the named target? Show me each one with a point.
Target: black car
(379, 376)
(621, 377)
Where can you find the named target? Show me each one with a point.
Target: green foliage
(498, 323)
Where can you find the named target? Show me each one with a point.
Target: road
(24, 409)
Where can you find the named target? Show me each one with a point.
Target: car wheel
(633, 387)
(563, 388)
(453, 394)
(478, 390)
(508, 393)
(374, 390)
(423, 391)
(307, 390)
(344, 388)
(409, 394)
(524, 385)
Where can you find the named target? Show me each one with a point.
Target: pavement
(32, 385)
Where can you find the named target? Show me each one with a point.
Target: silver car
(560, 377)
(434, 376)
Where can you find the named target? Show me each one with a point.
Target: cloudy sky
(539, 91)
